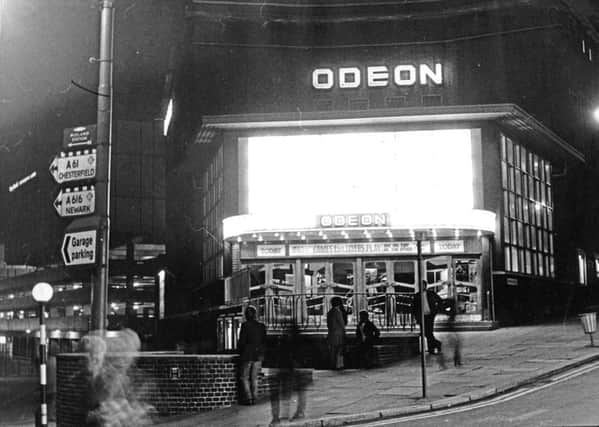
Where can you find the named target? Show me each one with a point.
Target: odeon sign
(377, 76)
(354, 220)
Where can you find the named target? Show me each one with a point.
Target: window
(528, 210)
(582, 268)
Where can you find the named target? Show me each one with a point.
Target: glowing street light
(42, 293)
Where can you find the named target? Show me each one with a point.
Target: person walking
(251, 345)
(288, 379)
(433, 304)
(336, 333)
(367, 333)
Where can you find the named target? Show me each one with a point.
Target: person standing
(251, 345)
(433, 304)
(367, 333)
(336, 333)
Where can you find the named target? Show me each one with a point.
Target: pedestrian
(336, 333)
(251, 345)
(433, 304)
(367, 334)
(453, 338)
(288, 378)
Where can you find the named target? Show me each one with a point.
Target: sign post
(79, 248)
(76, 201)
(79, 137)
(74, 166)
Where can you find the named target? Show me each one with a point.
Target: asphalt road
(569, 399)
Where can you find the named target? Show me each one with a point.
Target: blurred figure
(288, 379)
(453, 338)
(110, 400)
(433, 304)
(367, 333)
(251, 345)
(336, 321)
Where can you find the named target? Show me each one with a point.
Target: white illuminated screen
(360, 172)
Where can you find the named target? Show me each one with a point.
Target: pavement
(493, 362)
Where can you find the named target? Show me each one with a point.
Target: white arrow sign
(74, 166)
(76, 201)
(79, 248)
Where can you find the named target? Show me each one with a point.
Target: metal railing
(388, 311)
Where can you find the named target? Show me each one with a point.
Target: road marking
(493, 401)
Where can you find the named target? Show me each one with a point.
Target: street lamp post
(42, 293)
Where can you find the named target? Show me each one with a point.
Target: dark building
(317, 144)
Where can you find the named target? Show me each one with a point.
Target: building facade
(322, 144)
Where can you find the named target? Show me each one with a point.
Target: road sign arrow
(65, 252)
(58, 202)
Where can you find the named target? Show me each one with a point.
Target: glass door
(468, 287)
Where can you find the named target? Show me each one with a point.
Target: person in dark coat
(251, 346)
(336, 333)
(434, 305)
(367, 334)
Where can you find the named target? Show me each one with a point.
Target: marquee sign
(354, 220)
(359, 248)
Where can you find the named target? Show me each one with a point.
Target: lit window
(582, 270)
(596, 265)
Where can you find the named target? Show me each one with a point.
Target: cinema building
(321, 164)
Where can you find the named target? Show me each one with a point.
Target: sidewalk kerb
(450, 402)
(445, 403)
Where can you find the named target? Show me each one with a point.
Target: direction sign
(74, 166)
(79, 248)
(79, 137)
(76, 201)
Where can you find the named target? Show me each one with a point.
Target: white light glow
(596, 114)
(168, 116)
(42, 292)
(359, 172)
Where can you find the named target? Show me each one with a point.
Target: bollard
(589, 324)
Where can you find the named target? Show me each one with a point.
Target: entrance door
(458, 279)
(468, 287)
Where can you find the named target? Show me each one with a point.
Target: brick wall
(171, 384)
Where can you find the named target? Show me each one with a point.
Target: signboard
(74, 166)
(79, 248)
(76, 201)
(354, 220)
(79, 137)
(270, 250)
(449, 246)
(360, 248)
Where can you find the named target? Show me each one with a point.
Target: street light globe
(42, 292)
(596, 114)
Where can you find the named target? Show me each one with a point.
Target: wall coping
(159, 355)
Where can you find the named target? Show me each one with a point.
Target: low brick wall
(171, 384)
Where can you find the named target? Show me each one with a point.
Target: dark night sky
(46, 44)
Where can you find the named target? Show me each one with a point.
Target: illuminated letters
(377, 76)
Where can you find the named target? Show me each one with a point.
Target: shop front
(338, 213)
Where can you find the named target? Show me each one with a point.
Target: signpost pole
(419, 237)
(104, 140)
